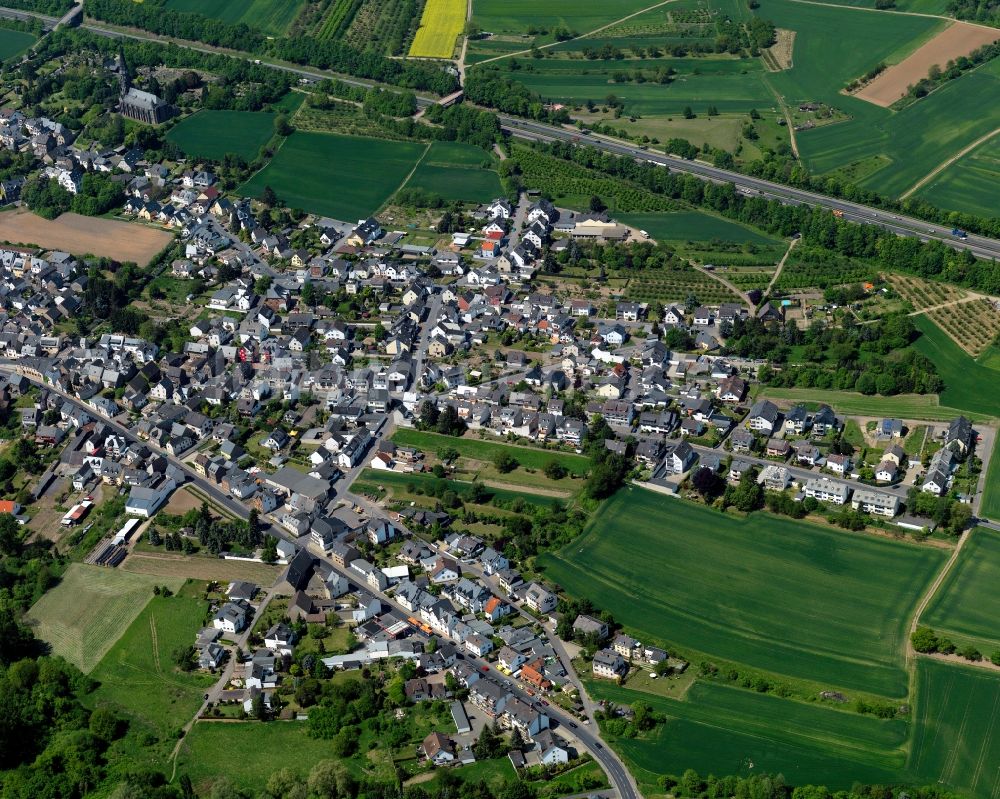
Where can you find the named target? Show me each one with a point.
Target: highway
(854, 212)
(529, 130)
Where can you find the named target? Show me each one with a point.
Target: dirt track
(84, 235)
(958, 39)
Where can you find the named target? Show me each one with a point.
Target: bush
(505, 462)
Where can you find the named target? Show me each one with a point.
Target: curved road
(617, 773)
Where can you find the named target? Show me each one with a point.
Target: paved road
(801, 473)
(616, 772)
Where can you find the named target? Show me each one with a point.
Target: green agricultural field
(701, 83)
(692, 226)
(719, 729)
(457, 171)
(967, 603)
(957, 736)
(13, 43)
(880, 149)
(792, 598)
(486, 450)
(964, 378)
(137, 676)
(213, 134)
(516, 17)
(969, 184)
(270, 16)
(990, 507)
(90, 609)
(344, 177)
(905, 406)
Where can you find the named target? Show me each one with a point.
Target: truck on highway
(959, 234)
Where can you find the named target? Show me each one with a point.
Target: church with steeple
(135, 103)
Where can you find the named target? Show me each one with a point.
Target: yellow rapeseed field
(440, 25)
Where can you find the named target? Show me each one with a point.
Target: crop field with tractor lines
(784, 596)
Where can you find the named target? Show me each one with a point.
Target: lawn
(486, 450)
(90, 609)
(137, 676)
(440, 24)
(797, 599)
(695, 226)
(344, 177)
(214, 134)
(271, 16)
(719, 729)
(457, 171)
(964, 378)
(13, 43)
(967, 603)
(957, 735)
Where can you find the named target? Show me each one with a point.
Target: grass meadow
(271, 16)
(345, 177)
(718, 729)
(137, 676)
(531, 457)
(964, 378)
(957, 735)
(695, 226)
(264, 748)
(213, 134)
(89, 610)
(967, 603)
(783, 596)
(440, 25)
(401, 484)
(905, 406)
(13, 43)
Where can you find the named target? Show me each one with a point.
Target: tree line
(931, 259)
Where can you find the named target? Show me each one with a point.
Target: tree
(10, 535)
(924, 639)
(505, 462)
(268, 197)
(555, 470)
(257, 707)
(516, 739)
(688, 113)
(597, 205)
(183, 658)
(706, 482)
(448, 454)
(489, 744)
